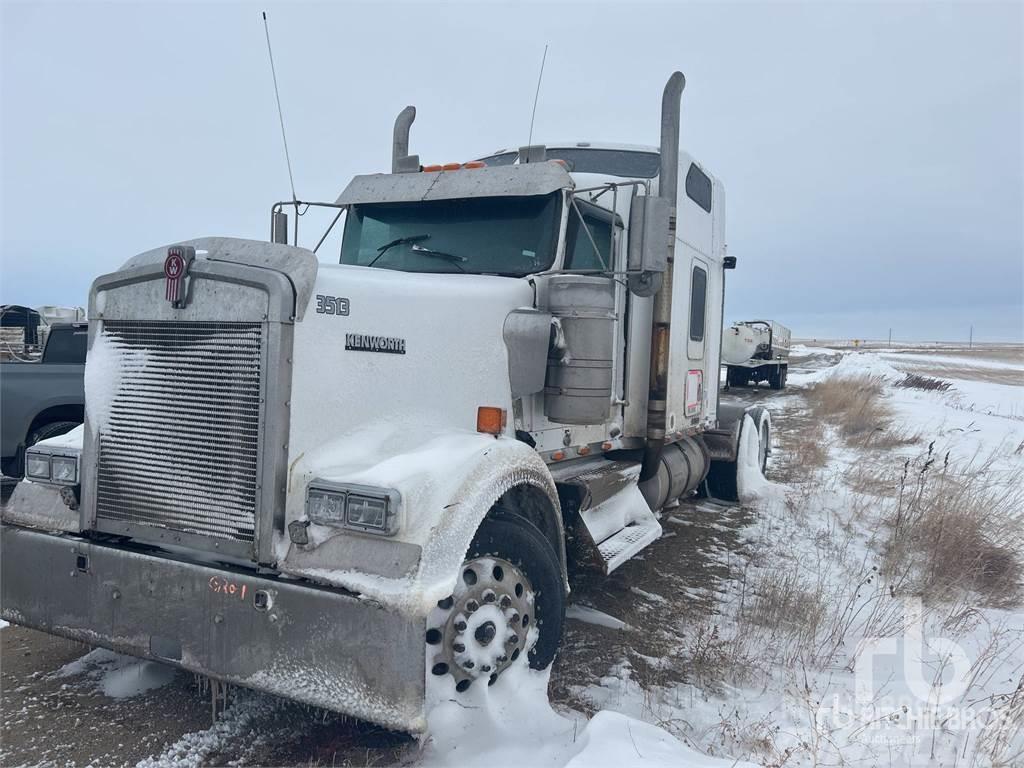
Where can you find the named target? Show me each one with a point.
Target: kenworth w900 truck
(334, 482)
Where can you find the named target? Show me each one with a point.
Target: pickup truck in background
(42, 398)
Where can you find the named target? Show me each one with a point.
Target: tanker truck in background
(341, 482)
(754, 351)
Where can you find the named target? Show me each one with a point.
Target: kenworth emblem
(176, 265)
(362, 342)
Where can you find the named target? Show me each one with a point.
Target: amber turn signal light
(490, 420)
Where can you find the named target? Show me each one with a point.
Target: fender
(448, 485)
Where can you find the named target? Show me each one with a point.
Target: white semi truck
(334, 482)
(754, 351)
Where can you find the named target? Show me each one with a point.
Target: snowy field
(861, 607)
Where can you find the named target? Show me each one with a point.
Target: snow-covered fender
(448, 485)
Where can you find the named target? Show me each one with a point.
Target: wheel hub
(485, 633)
(484, 626)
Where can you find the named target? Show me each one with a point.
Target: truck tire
(721, 481)
(510, 589)
(46, 431)
(736, 377)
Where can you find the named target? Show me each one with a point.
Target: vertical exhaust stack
(401, 160)
(668, 179)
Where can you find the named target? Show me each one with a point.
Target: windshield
(512, 236)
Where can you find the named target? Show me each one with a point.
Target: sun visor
(500, 181)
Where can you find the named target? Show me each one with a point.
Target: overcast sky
(871, 154)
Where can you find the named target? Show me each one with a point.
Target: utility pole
(970, 341)
(890, 337)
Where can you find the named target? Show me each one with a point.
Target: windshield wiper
(440, 255)
(397, 241)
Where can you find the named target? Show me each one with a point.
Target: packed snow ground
(804, 653)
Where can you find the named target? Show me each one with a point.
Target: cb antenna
(280, 116)
(536, 94)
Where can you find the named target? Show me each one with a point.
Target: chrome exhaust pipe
(668, 180)
(401, 160)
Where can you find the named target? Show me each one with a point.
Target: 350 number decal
(331, 305)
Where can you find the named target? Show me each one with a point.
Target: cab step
(617, 549)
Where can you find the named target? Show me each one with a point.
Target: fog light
(37, 466)
(64, 470)
(298, 531)
(365, 512)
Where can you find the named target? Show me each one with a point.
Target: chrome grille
(179, 439)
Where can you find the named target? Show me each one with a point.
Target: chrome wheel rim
(485, 625)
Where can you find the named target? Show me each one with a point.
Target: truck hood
(385, 361)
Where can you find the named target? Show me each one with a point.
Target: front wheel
(508, 600)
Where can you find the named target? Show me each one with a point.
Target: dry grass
(928, 384)
(782, 601)
(856, 407)
(808, 448)
(854, 404)
(955, 531)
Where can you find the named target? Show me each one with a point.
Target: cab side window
(579, 251)
(698, 299)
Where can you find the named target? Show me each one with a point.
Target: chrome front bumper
(315, 645)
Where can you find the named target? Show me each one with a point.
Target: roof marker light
(475, 164)
(451, 166)
(432, 168)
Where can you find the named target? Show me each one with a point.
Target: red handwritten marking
(220, 585)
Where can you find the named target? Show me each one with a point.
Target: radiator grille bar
(179, 438)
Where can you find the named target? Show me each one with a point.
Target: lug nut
(489, 596)
(472, 605)
(506, 601)
(458, 647)
(468, 664)
(514, 639)
(485, 668)
(460, 626)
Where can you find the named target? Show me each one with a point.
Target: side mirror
(648, 243)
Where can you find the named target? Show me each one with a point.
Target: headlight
(359, 507)
(325, 507)
(37, 466)
(64, 470)
(367, 512)
(44, 466)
